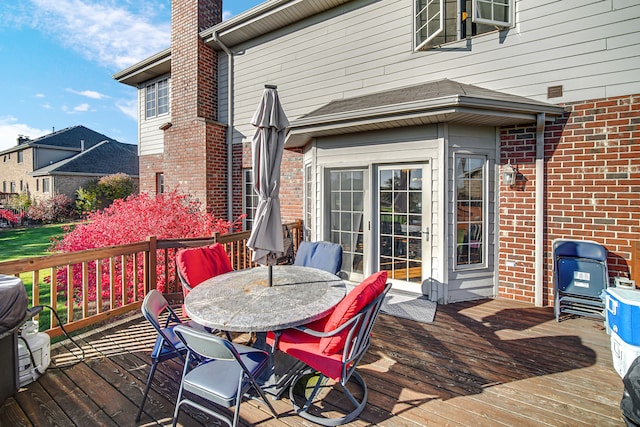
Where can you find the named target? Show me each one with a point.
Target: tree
(167, 215)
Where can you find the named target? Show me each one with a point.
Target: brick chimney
(195, 145)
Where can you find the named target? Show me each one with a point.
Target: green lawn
(16, 243)
(19, 243)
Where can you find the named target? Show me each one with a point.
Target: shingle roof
(104, 158)
(70, 137)
(426, 91)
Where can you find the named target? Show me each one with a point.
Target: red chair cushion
(351, 304)
(305, 348)
(200, 264)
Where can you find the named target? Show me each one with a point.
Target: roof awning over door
(429, 103)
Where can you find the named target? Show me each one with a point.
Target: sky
(57, 59)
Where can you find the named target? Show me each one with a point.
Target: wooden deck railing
(91, 286)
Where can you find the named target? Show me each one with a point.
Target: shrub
(100, 193)
(20, 202)
(58, 208)
(116, 186)
(11, 217)
(86, 200)
(168, 215)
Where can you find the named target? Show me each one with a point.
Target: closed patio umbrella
(267, 147)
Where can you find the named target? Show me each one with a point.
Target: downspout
(539, 221)
(229, 125)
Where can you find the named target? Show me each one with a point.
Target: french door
(383, 226)
(403, 224)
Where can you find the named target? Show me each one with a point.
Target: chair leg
(152, 371)
(325, 421)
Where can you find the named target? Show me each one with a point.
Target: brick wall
(195, 145)
(592, 190)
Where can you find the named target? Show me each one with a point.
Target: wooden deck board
(481, 363)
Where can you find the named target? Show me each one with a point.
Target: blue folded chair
(322, 255)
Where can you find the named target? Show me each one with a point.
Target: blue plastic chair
(322, 255)
(580, 276)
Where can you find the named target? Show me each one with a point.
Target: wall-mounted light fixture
(509, 174)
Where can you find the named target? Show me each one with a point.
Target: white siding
(362, 47)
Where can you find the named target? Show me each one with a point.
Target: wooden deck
(483, 363)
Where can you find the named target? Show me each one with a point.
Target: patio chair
(580, 277)
(323, 255)
(167, 345)
(224, 372)
(195, 265)
(332, 347)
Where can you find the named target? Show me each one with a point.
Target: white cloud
(226, 14)
(10, 129)
(129, 108)
(39, 95)
(88, 93)
(81, 108)
(102, 31)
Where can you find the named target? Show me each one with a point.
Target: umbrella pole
(270, 275)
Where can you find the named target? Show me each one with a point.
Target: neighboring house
(404, 115)
(63, 161)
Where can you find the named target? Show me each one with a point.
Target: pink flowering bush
(58, 208)
(168, 215)
(12, 218)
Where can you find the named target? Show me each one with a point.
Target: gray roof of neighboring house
(104, 158)
(70, 138)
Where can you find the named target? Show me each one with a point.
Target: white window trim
(485, 211)
(154, 84)
(480, 20)
(421, 44)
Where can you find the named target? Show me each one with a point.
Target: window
(346, 214)
(4, 186)
(37, 184)
(492, 12)
(157, 98)
(250, 198)
(45, 185)
(308, 201)
(12, 188)
(21, 186)
(159, 183)
(470, 205)
(443, 21)
(20, 154)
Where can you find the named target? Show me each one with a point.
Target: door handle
(426, 234)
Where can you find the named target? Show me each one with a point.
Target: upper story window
(443, 21)
(470, 205)
(20, 158)
(157, 98)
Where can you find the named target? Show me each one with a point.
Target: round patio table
(243, 301)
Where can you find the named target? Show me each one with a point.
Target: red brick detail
(592, 190)
(195, 148)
